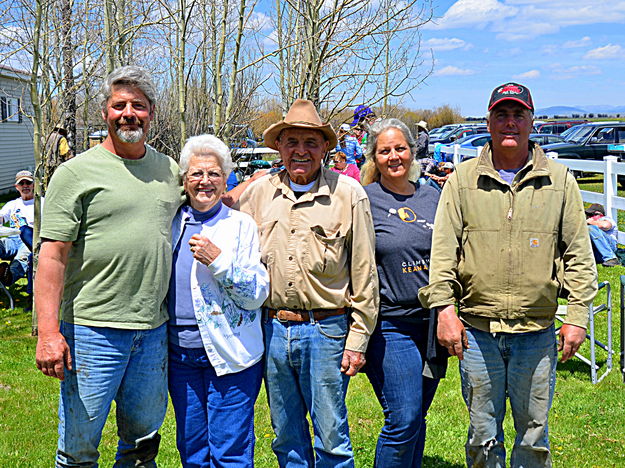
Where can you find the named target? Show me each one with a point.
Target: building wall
(16, 138)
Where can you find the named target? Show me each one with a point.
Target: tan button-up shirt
(319, 249)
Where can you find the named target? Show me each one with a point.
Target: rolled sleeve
(363, 278)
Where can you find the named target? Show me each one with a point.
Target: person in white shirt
(18, 213)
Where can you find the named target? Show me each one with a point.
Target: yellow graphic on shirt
(406, 214)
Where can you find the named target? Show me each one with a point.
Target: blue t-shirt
(403, 240)
(183, 329)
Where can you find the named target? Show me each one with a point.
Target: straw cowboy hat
(423, 124)
(302, 114)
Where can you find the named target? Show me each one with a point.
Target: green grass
(587, 425)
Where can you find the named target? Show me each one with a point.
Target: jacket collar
(321, 186)
(536, 166)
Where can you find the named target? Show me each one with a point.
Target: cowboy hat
(302, 114)
(423, 124)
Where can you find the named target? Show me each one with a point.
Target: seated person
(19, 212)
(439, 173)
(342, 167)
(602, 231)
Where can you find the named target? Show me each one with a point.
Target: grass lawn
(587, 421)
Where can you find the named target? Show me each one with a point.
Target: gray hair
(371, 173)
(129, 75)
(206, 146)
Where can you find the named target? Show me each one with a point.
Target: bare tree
(344, 52)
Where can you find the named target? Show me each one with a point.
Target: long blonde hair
(369, 172)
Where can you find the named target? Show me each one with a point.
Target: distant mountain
(568, 111)
(560, 110)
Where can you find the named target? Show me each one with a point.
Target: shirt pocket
(165, 212)
(326, 252)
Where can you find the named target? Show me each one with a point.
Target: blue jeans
(603, 246)
(523, 367)
(394, 368)
(12, 248)
(214, 414)
(128, 366)
(303, 375)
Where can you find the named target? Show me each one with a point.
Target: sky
(567, 52)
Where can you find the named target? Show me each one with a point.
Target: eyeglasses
(25, 182)
(199, 175)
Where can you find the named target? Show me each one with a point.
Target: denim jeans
(12, 248)
(394, 368)
(303, 375)
(523, 367)
(128, 366)
(603, 246)
(214, 414)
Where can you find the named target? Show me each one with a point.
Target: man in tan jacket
(510, 237)
(317, 242)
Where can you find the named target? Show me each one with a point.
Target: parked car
(457, 133)
(475, 141)
(556, 128)
(589, 141)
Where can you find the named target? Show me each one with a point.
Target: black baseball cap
(511, 92)
(595, 208)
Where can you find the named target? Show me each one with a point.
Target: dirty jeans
(302, 375)
(128, 366)
(521, 366)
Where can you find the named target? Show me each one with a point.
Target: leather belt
(286, 315)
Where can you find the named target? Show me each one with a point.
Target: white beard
(130, 136)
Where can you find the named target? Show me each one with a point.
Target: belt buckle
(281, 320)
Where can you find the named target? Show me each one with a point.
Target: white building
(16, 129)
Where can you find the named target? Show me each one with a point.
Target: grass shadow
(438, 462)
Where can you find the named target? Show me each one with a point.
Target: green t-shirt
(117, 213)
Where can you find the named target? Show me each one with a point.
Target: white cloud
(447, 43)
(610, 51)
(528, 75)
(450, 70)
(583, 42)
(526, 19)
(259, 22)
(561, 72)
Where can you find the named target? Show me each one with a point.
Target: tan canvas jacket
(506, 253)
(319, 249)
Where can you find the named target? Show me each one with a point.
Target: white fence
(609, 167)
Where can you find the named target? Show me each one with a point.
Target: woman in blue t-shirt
(404, 363)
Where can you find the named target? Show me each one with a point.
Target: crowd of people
(303, 277)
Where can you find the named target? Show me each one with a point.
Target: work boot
(6, 277)
(611, 262)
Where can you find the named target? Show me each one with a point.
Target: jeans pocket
(333, 327)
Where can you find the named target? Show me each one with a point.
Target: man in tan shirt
(317, 242)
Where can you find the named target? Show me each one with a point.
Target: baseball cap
(511, 92)
(23, 175)
(345, 127)
(595, 207)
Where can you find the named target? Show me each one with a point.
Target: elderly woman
(217, 287)
(402, 362)
(341, 166)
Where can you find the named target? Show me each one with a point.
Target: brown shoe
(611, 262)
(6, 277)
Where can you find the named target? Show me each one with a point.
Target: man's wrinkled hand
(571, 338)
(352, 362)
(451, 332)
(53, 355)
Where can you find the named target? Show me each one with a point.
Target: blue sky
(566, 52)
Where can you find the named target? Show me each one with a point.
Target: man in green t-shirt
(104, 264)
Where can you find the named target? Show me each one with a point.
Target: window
(10, 109)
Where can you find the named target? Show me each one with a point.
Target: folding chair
(594, 343)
